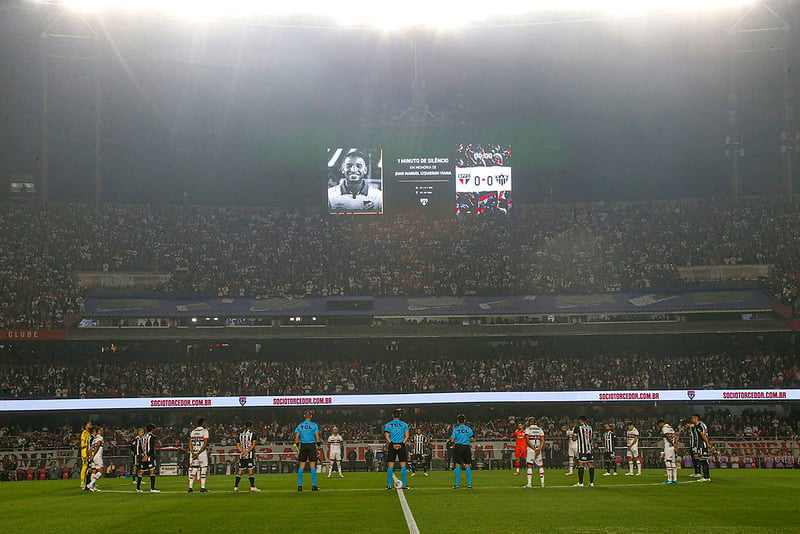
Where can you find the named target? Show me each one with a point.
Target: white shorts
(533, 458)
(633, 452)
(573, 451)
(97, 466)
(200, 461)
(335, 456)
(669, 455)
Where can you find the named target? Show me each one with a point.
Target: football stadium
(440, 266)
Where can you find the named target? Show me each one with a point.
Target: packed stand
(109, 377)
(279, 252)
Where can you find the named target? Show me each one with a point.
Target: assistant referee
(306, 441)
(461, 437)
(396, 433)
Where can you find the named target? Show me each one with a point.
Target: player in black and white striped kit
(609, 458)
(146, 451)
(703, 447)
(419, 452)
(246, 445)
(582, 436)
(691, 435)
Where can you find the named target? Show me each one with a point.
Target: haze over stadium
(418, 247)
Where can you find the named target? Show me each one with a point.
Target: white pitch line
(410, 521)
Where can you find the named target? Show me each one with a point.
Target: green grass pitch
(736, 501)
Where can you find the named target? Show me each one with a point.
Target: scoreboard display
(472, 180)
(483, 179)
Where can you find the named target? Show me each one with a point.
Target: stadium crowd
(229, 377)
(281, 252)
(750, 423)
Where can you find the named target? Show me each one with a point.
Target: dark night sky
(602, 111)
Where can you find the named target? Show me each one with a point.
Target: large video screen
(483, 179)
(423, 184)
(355, 181)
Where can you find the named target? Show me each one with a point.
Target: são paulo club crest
(690, 394)
(242, 400)
(423, 201)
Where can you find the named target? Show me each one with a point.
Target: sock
(403, 474)
(313, 476)
(299, 477)
(591, 475)
(516, 465)
(571, 463)
(704, 465)
(469, 475)
(152, 482)
(580, 474)
(541, 475)
(697, 467)
(389, 474)
(458, 475)
(139, 482)
(252, 480)
(203, 477)
(238, 478)
(339, 467)
(530, 475)
(191, 477)
(639, 465)
(630, 465)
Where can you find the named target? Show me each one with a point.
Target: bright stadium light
(407, 13)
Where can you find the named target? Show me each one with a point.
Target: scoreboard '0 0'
(479, 179)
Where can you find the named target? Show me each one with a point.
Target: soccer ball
(398, 484)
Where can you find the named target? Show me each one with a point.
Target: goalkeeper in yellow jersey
(85, 435)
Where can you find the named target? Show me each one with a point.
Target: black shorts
(308, 452)
(247, 463)
(608, 456)
(149, 465)
(585, 457)
(462, 454)
(397, 455)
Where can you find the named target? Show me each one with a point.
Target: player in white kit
(632, 452)
(535, 437)
(572, 447)
(335, 452)
(670, 444)
(198, 455)
(96, 459)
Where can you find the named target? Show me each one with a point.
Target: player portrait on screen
(355, 181)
